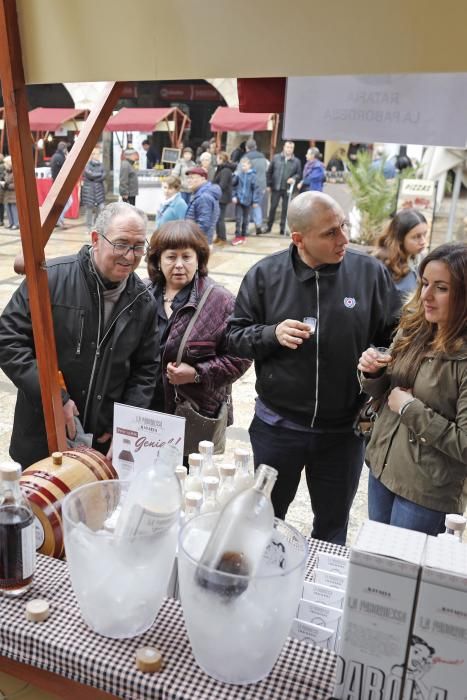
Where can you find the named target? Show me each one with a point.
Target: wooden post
(274, 135)
(19, 140)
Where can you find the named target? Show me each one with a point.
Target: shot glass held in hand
(311, 322)
(384, 357)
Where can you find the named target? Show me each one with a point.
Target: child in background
(246, 194)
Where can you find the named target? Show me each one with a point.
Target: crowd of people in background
(401, 316)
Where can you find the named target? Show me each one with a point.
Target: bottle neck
(265, 479)
(11, 492)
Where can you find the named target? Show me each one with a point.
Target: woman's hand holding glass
(180, 374)
(374, 360)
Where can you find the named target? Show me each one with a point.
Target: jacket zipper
(81, 330)
(317, 351)
(100, 341)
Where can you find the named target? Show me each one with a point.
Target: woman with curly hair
(400, 248)
(417, 454)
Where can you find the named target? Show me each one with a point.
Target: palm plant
(374, 195)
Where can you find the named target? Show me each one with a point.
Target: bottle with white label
(243, 476)
(17, 534)
(193, 501)
(206, 448)
(126, 461)
(152, 504)
(193, 481)
(210, 486)
(227, 484)
(455, 526)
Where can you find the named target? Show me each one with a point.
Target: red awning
(138, 118)
(231, 119)
(51, 118)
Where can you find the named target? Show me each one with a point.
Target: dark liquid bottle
(230, 563)
(17, 536)
(126, 461)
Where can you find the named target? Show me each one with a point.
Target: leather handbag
(197, 426)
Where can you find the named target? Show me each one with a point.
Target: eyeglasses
(123, 248)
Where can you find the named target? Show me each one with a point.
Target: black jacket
(355, 303)
(223, 177)
(56, 163)
(276, 169)
(122, 367)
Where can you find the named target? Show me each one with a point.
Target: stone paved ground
(227, 266)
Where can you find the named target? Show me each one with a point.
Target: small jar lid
(206, 447)
(195, 459)
(193, 498)
(181, 471)
(57, 457)
(227, 469)
(211, 481)
(148, 659)
(10, 471)
(455, 522)
(37, 610)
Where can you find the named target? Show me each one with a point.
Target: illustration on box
(139, 434)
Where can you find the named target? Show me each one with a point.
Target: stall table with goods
(43, 184)
(71, 656)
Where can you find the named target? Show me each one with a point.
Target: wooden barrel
(46, 483)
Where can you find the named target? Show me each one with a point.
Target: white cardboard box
(323, 594)
(313, 634)
(437, 662)
(332, 562)
(381, 588)
(321, 615)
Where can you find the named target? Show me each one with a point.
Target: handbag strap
(193, 320)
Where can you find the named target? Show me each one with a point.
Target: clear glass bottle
(455, 526)
(193, 501)
(181, 473)
(17, 534)
(240, 537)
(152, 504)
(227, 484)
(243, 476)
(210, 487)
(193, 481)
(206, 448)
(126, 461)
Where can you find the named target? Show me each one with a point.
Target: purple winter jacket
(206, 350)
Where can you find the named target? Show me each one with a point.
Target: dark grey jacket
(128, 185)
(99, 365)
(276, 169)
(93, 188)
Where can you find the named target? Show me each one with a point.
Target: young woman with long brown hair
(417, 454)
(400, 248)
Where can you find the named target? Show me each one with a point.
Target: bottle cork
(148, 659)
(37, 610)
(57, 458)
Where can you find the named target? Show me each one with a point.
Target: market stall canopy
(140, 118)
(53, 118)
(60, 44)
(231, 119)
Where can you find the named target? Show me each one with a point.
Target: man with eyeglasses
(105, 333)
(304, 315)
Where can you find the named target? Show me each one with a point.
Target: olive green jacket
(422, 455)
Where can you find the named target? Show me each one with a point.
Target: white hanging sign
(416, 108)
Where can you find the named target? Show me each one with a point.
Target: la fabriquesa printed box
(384, 569)
(437, 660)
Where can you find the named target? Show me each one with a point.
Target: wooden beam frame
(36, 225)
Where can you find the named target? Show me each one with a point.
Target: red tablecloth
(44, 184)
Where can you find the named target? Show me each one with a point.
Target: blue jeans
(386, 507)
(333, 463)
(256, 213)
